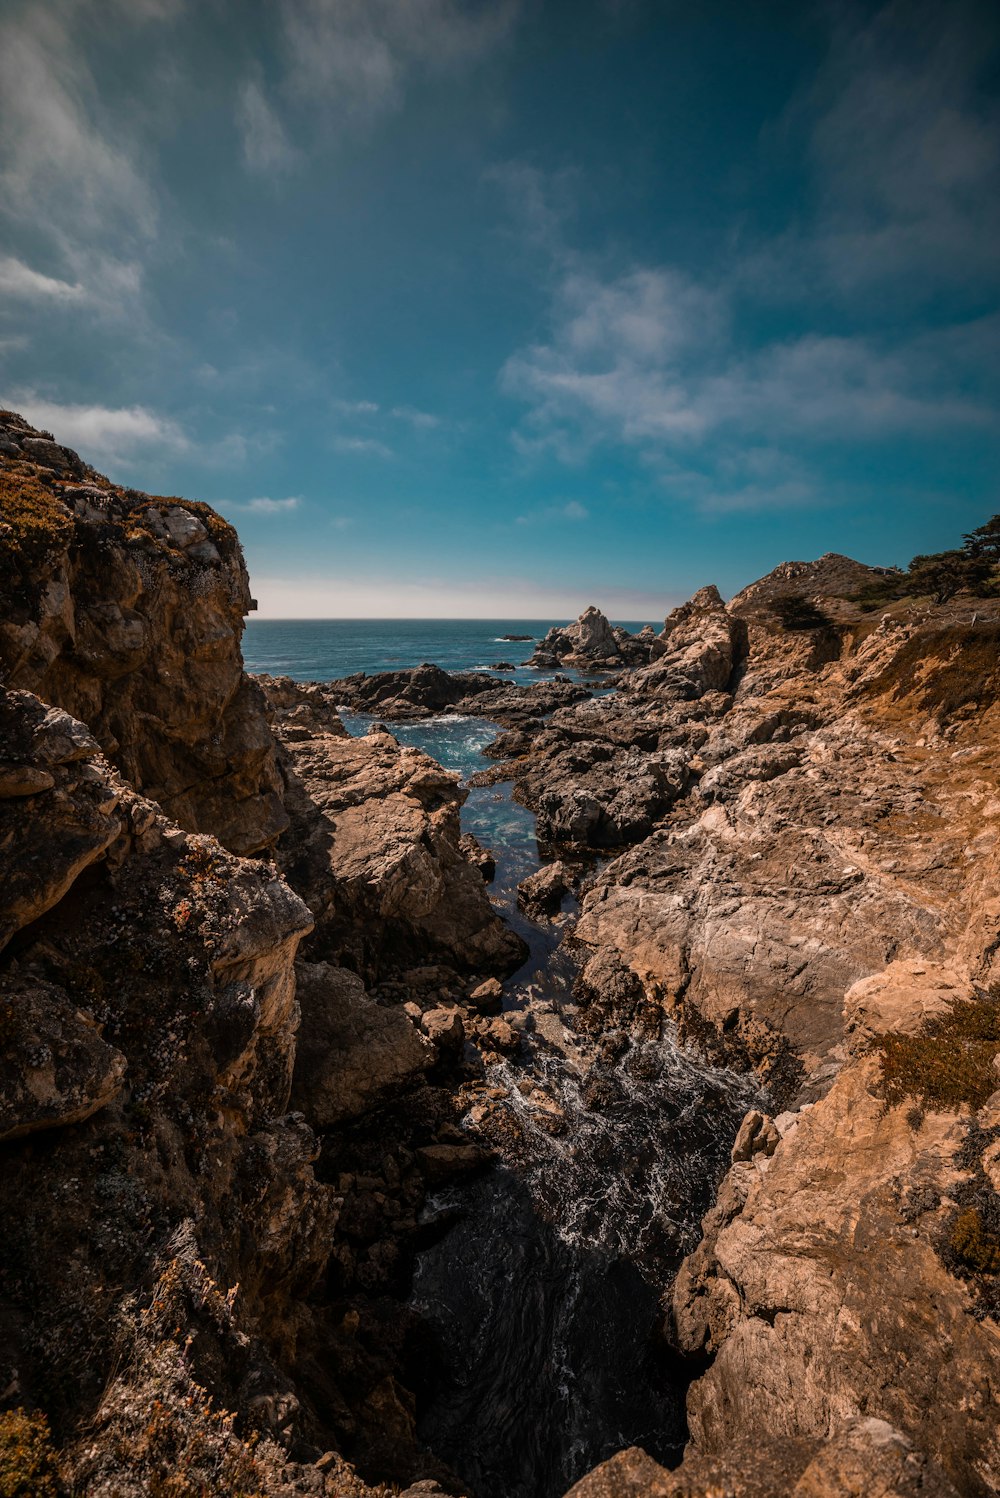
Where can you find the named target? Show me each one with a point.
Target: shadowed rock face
(148, 1021)
(127, 611)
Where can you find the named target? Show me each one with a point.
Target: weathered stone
(444, 1028)
(54, 1067)
(487, 997)
(542, 894)
(352, 1053)
(374, 847)
(130, 621)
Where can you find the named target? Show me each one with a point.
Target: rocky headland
(262, 1061)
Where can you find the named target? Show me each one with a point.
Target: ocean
(327, 649)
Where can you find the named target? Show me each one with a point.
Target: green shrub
(797, 612)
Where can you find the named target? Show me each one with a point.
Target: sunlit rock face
(127, 611)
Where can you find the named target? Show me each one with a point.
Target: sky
(500, 309)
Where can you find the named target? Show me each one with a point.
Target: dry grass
(28, 1466)
(949, 1063)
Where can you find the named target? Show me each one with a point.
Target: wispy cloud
(906, 146)
(648, 361)
(361, 445)
(263, 505)
(266, 147)
(101, 433)
(59, 165)
(354, 58)
(19, 280)
(571, 510)
(902, 142)
(424, 420)
(356, 408)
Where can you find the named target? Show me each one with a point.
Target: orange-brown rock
(127, 611)
(375, 848)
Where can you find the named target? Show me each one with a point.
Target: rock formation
(809, 805)
(230, 1086)
(126, 610)
(185, 1270)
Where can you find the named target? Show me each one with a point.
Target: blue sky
(504, 308)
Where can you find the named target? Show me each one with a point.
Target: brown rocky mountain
(233, 1087)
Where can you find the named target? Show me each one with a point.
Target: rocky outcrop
(832, 581)
(55, 1068)
(821, 1272)
(126, 610)
(589, 642)
(169, 1221)
(417, 692)
(352, 1053)
(427, 692)
(375, 848)
(828, 830)
(867, 1456)
(148, 1017)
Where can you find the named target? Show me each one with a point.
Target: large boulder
(352, 1053)
(375, 849)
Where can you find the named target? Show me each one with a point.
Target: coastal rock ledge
(252, 1022)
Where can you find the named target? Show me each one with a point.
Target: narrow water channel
(542, 1298)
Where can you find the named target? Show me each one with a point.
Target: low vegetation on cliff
(941, 575)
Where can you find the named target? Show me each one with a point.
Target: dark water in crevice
(543, 1300)
(542, 1350)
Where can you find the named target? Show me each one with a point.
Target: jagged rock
(487, 997)
(832, 579)
(352, 1053)
(703, 646)
(592, 635)
(118, 608)
(590, 640)
(374, 847)
(757, 1136)
(542, 894)
(520, 707)
(444, 1028)
(821, 1284)
(49, 836)
(480, 857)
(867, 1457)
(417, 692)
(901, 999)
(54, 1068)
(629, 1474)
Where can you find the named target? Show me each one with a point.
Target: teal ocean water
(326, 649)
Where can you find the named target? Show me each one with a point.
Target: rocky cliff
(126, 610)
(807, 798)
(206, 1204)
(230, 1085)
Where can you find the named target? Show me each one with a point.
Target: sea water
(327, 649)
